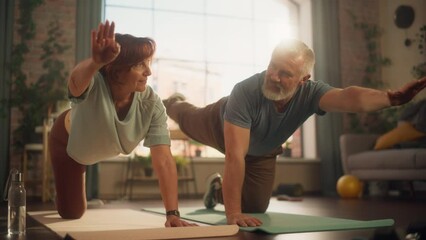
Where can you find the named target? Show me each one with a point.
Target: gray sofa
(360, 160)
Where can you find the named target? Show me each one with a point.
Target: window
(205, 47)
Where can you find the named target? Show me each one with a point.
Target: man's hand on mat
(175, 221)
(243, 220)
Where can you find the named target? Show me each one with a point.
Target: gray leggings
(205, 126)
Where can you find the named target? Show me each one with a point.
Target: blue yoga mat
(276, 223)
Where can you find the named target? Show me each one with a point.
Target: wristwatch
(173, 212)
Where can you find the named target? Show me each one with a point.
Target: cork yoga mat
(127, 224)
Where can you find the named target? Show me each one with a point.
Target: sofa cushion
(388, 159)
(403, 133)
(421, 158)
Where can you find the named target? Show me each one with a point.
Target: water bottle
(16, 216)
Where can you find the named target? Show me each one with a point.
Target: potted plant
(197, 147)
(146, 164)
(181, 162)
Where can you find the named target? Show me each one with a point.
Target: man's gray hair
(298, 48)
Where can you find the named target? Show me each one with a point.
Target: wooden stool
(41, 148)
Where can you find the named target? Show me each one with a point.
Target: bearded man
(262, 111)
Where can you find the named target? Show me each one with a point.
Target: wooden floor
(404, 210)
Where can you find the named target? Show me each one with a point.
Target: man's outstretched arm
(360, 99)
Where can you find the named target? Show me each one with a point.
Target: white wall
(403, 58)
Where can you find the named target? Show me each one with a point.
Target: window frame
(308, 129)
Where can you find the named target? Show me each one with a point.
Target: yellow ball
(349, 186)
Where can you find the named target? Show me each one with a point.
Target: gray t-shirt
(98, 134)
(248, 108)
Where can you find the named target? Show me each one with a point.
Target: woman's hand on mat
(175, 221)
(243, 220)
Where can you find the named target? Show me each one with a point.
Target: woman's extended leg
(69, 175)
(201, 124)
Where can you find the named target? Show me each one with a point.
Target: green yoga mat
(276, 223)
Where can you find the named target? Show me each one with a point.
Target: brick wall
(352, 44)
(353, 52)
(65, 12)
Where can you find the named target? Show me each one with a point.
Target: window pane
(179, 36)
(234, 8)
(185, 77)
(226, 76)
(205, 47)
(129, 3)
(194, 6)
(266, 36)
(229, 40)
(270, 10)
(137, 22)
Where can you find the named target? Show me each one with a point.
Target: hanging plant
(419, 70)
(35, 99)
(26, 32)
(381, 121)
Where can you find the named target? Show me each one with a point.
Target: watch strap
(173, 212)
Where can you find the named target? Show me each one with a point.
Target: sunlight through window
(206, 47)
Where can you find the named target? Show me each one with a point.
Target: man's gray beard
(274, 96)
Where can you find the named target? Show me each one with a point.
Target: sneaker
(214, 184)
(173, 98)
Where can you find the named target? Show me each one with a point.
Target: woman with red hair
(113, 110)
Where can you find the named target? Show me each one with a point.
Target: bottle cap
(14, 176)
(17, 177)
